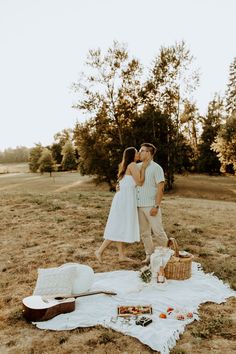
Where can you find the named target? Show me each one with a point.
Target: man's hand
(146, 163)
(154, 211)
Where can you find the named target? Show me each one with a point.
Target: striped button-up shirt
(146, 193)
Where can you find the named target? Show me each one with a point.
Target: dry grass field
(46, 222)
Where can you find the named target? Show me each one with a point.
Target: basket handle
(172, 243)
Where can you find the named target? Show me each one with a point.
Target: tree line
(125, 106)
(17, 155)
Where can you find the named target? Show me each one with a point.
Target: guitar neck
(85, 294)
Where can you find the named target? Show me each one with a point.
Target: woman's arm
(138, 174)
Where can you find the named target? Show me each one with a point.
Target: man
(149, 197)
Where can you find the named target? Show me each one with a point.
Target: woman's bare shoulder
(132, 165)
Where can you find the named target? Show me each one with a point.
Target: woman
(122, 224)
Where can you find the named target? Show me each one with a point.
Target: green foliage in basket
(145, 274)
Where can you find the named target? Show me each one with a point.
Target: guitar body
(42, 308)
(35, 309)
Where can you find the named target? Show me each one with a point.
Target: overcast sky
(44, 44)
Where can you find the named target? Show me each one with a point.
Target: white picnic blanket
(161, 334)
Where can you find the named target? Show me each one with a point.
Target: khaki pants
(151, 225)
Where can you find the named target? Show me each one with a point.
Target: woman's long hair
(128, 157)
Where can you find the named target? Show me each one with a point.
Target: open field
(46, 222)
(13, 167)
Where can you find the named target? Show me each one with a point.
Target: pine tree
(231, 91)
(56, 149)
(225, 145)
(208, 160)
(69, 161)
(189, 121)
(34, 156)
(46, 162)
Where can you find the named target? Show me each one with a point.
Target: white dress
(122, 223)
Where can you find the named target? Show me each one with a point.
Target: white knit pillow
(84, 277)
(55, 281)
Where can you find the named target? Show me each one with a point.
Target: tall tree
(63, 136)
(208, 160)
(190, 120)
(61, 139)
(225, 145)
(189, 127)
(69, 161)
(172, 80)
(111, 87)
(99, 149)
(56, 149)
(231, 90)
(46, 162)
(153, 126)
(34, 156)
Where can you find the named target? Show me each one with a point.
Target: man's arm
(160, 192)
(158, 199)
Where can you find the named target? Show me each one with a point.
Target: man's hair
(150, 147)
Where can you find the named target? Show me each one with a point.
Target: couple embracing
(135, 209)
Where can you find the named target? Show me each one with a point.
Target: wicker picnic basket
(178, 267)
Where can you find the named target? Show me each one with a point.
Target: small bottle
(154, 263)
(161, 274)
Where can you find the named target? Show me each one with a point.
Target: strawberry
(170, 309)
(162, 315)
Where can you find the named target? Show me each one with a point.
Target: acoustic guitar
(42, 308)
